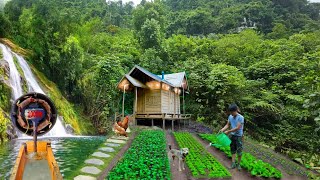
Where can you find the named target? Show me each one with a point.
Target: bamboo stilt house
(156, 96)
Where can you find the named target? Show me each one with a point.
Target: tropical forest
(132, 85)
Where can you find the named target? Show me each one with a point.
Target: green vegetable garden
(200, 162)
(145, 159)
(255, 166)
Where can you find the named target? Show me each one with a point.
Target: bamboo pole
(184, 109)
(135, 104)
(163, 122)
(124, 92)
(172, 125)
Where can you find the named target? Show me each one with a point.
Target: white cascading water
(58, 130)
(15, 80)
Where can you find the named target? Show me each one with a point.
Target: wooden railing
(169, 116)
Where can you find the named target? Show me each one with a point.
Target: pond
(70, 153)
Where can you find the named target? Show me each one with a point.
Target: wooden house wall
(165, 103)
(177, 104)
(140, 101)
(158, 101)
(170, 102)
(149, 101)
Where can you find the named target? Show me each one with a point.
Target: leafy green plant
(253, 165)
(200, 119)
(145, 159)
(201, 163)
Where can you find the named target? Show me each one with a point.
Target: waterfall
(15, 80)
(58, 130)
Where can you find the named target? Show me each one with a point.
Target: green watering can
(223, 140)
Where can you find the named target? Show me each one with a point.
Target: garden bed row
(249, 162)
(145, 159)
(201, 163)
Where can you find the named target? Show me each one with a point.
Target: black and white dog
(180, 154)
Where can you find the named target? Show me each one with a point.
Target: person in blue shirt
(236, 121)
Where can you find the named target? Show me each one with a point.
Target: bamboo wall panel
(152, 101)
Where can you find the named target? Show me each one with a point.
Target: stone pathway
(116, 141)
(92, 164)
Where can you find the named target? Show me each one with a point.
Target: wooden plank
(160, 103)
(169, 103)
(174, 103)
(172, 125)
(153, 101)
(124, 93)
(163, 122)
(136, 100)
(17, 171)
(165, 101)
(55, 172)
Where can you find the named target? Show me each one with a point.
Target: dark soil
(175, 173)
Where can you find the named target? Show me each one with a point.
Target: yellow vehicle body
(28, 158)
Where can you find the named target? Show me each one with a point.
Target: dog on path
(181, 154)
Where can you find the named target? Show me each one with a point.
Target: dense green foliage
(201, 163)
(214, 16)
(65, 109)
(255, 166)
(261, 54)
(145, 159)
(5, 27)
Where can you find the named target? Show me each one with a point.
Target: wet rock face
(69, 129)
(11, 132)
(4, 72)
(5, 96)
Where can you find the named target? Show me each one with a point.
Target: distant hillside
(215, 16)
